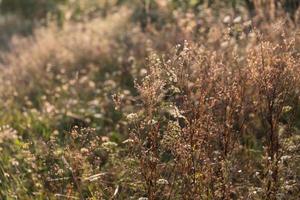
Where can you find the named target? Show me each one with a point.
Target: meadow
(150, 99)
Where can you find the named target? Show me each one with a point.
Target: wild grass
(156, 100)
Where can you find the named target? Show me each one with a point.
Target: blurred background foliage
(74, 9)
(57, 9)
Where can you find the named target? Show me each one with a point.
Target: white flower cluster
(132, 117)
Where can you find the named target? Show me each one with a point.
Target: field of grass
(150, 99)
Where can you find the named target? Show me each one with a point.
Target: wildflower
(162, 182)
(143, 72)
(227, 19)
(132, 117)
(143, 198)
(84, 150)
(109, 145)
(98, 115)
(237, 20)
(14, 162)
(286, 109)
(128, 141)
